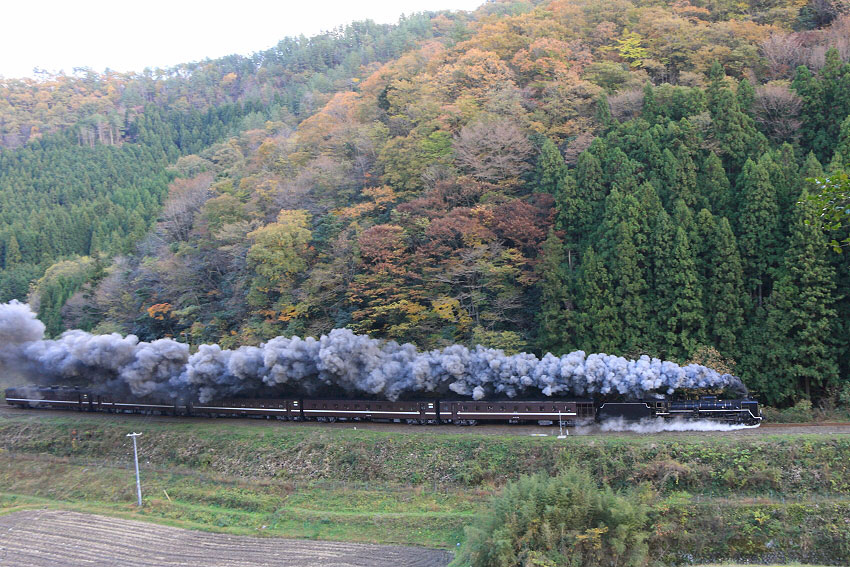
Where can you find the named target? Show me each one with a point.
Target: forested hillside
(573, 174)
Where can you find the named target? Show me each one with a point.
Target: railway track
(809, 424)
(9, 412)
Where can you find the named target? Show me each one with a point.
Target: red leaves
(520, 225)
(382, 244)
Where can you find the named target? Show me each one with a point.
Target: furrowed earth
(51, 537)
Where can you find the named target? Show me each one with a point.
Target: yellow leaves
(450, 309)
(592, 537)
(379, 198)
(279, 251)
(160, 311)
(445, 308)
(287, 313)
(228, 79)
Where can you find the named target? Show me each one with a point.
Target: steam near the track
(658, 424)
(339, 361)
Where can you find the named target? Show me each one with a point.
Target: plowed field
(42, 538)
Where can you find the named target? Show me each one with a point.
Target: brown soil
(41, 538)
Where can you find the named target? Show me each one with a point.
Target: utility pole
(136, 456)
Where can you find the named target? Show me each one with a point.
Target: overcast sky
(129, 36)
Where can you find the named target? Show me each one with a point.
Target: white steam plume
(339, 362)
(657, 425)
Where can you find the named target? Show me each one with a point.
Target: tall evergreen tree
(557, 310)
(724, 292)
(714, 187)
(603, 113)
(746, 94)
(841, 157)
(590, 191)
(630, 288)
(789, 183)
(651, 111)
(705, 230)
(678, 298)
(600, 324)
(734, 130)
(573, 216)
(758, 217)
(12, 256)
(811, 167)
(826, 101)
(550, 168)
(801, 314)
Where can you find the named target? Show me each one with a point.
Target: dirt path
(41, 538)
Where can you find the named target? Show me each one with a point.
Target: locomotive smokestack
(340, 360)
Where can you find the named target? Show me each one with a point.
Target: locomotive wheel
(331, 420)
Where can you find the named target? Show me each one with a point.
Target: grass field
(719, 496)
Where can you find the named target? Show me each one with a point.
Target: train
(434, 411)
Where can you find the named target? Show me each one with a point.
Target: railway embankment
(714, 495)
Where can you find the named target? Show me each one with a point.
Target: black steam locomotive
(430, 411)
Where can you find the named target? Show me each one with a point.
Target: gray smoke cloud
(339, 362)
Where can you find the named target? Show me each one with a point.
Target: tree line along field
(617, 177)
(708, 497)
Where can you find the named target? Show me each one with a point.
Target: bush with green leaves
(565, 520)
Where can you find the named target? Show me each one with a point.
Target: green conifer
(800, 313)
(724, 292)
(600, 324)
(758, 217)
(679, 308)
(651, 111)
(713, 185)
(841, 157)
(13, 253)
(550, 168)
(630, 288)
(555, 317)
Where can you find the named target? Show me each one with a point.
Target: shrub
(844, 396)
(566, 520)
(800, 413)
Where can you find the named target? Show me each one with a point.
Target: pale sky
(131, 35)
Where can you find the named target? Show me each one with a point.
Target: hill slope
(618, 176)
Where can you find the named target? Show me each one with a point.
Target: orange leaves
(549, 58)
(160, 311)
(475, 73)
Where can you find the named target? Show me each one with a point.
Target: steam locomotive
(431, 411)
